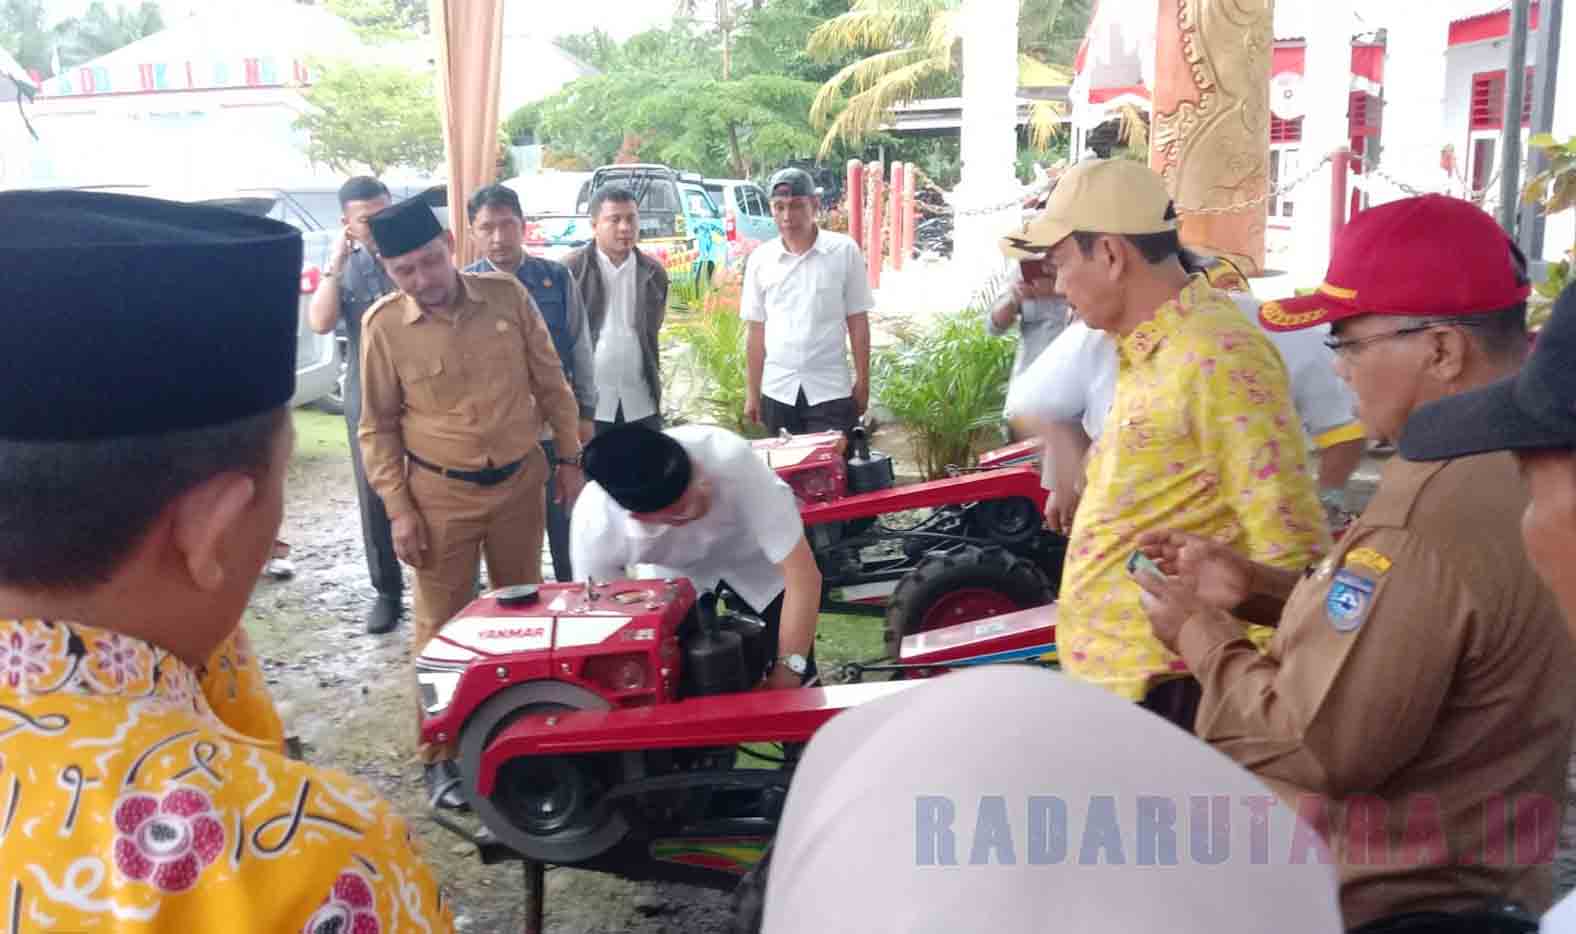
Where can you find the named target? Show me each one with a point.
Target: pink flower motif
(22, 657)
(117, 659)
(348, 908)
(167, 842)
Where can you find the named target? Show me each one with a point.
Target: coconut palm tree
(914, 45)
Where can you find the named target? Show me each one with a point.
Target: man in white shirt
(805, 295)
(696, 502)
(626, 297)
(1066, 393)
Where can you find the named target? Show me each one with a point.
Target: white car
(317, 357)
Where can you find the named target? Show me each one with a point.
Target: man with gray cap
(806, 298)
(458, 375)
(141, 488)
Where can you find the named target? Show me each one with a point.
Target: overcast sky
(620, 18)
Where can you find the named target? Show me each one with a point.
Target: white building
(1435, 67)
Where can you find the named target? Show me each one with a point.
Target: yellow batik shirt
(126, 805)
(232, 682)
(1202, 438)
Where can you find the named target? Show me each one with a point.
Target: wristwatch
(578, 460)
(794, 663)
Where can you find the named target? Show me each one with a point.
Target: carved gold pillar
(1209, 132)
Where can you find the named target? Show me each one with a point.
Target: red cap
(1432, 256)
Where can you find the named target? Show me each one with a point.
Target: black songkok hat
(402, 228)
(132, 316)
(641, 469)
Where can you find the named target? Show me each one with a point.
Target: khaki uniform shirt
(1416, 698)
(466, 388)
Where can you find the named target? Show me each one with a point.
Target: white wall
(1462, 62)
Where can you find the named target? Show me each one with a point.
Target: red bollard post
(855, 200)
(895, 215)
(873, 244)
(1340, 164)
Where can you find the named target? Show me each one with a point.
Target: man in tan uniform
(458, 375)
(1415, 701)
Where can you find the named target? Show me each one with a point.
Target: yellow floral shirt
(126, 805)
(1202, 438)
(233, 684)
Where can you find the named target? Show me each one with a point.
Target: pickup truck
(676, 213)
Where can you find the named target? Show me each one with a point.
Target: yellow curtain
(470, 42)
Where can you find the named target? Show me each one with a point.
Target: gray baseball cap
(799, 183)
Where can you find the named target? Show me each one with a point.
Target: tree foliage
(377, 117)
(910, 49)
(100, 30)
(661, 96)
(383, 20)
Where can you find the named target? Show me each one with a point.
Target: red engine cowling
(814, 466)
(618, 640)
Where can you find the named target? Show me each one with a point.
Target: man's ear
(1448, 355)
(1114, 250)
(205, 520)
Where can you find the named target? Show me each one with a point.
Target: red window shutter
(1285, 131)
(1488, 100)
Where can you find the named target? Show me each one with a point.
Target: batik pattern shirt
(126, 805)
(1202, 438)
(237, 692)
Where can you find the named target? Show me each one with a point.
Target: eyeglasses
(1349, 348)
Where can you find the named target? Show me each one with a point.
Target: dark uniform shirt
(361, 283)
(1416, 697)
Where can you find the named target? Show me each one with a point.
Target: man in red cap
(1415, 700)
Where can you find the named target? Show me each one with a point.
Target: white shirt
(618, 365)
(1075, 378)
(805, 302)
(1561, 919)
(750, 528)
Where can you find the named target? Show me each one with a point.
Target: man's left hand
(861, 396)
(587, 431)
(570, 481)
(781, 677)
(1170, 602)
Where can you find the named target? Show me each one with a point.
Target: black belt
(490, 476)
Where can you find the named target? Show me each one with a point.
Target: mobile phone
(1140, 562)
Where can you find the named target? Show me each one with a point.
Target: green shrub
(946, 384)
(715, 337)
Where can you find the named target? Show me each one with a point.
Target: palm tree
(913, 45)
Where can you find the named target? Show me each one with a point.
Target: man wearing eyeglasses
(1416, 694)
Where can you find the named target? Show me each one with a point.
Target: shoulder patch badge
(1348, 600)
(1368, 558)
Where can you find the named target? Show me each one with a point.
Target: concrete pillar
(1559, 234)
(989, 141)
(1210, 134)
(1412, 133)
(1327, 79)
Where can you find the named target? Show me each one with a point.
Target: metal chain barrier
(1274, 191)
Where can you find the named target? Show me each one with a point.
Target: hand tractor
(925, 555)
(605, 726)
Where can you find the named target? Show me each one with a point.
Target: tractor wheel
(969, 584)
(547, 808)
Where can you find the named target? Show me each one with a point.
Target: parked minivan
(746, 211)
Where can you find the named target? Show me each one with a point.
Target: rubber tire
(334, 402)
(981, 524)
(938, 575)
(496, 713)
